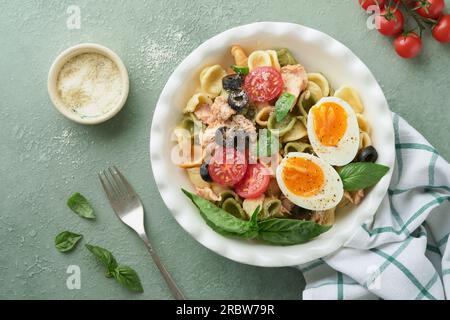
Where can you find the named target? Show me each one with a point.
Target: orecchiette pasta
(227, 194)
(297, 132)
(364, 140)
(315, 91)
(274, 59)
(188, 123)
(259, 58)
(363, 123)
(280, 128)
(239, 55)
(285, 57)
(297, 146)
(232, 206)
(196, 179)
(304, 103)
(321, 81)
(349, 95)
(211, 80)
(271, 208)
(250, 205)
(193, 157)
(262, 117)
(197, 100)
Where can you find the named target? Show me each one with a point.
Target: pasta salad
(272, 149)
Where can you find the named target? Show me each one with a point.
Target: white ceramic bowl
(318, 52)
(61, 60)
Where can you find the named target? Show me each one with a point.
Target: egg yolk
(330, 123)
(303, 177)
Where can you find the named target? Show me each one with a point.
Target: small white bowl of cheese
(88, 83)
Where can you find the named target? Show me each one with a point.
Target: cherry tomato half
(391, 21)
(441, 31)
(365, 4)
(263, 84)
(254, 183)
(227, 167)
(430, 8)
(408, 46)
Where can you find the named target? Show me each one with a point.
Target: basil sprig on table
(124, 275)
(240, 70)
(66, 241)
(274, 231)
(79, 204)
(283, 105)
(360, 175)
(128, 278)
(105, 257)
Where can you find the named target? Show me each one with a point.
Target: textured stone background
(44, 157)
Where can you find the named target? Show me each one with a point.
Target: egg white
(347, 148)
(330, 194)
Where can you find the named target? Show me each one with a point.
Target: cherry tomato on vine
(365, 4)
(441, 31)
(391, 21)
(430, 8)
(408, 46)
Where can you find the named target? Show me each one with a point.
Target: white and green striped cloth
(403, 252)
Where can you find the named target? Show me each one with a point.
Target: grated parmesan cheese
(90, 84)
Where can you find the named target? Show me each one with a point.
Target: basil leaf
(66, 241)
(283, 105)
(285, 57)
(105, 257)
(81, 206)
(361, 175)
(289, 231)
(221, 221)
(240, 70)
(128, 278)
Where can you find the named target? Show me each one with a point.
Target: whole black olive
(204, 173)
(238, 100)
(368, 154)
(232, 82)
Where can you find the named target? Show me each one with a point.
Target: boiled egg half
(309, 181)
(333, 131)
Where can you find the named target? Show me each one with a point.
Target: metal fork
(127, 206)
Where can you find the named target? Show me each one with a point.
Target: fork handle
(176, 293)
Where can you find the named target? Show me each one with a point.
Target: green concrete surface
(45, 157)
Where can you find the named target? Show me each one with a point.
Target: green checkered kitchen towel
(403, 252)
